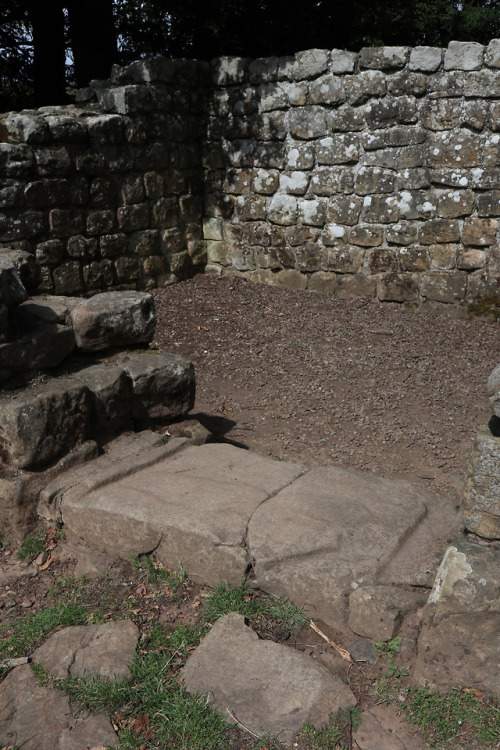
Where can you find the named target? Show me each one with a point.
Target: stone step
(124, 456)
(44, 422)
(313, 537)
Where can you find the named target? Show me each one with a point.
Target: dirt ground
(305, 377)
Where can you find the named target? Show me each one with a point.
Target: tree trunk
(93, 38)
(49, 71)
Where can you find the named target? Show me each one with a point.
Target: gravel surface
(305, 377)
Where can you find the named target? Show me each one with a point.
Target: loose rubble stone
(27, 268)
(264, 685)
(104, 651)
(114, 319)
(40, 718)
(163, 385)
(377, 611)
(384, 728)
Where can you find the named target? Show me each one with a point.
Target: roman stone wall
(109, 193)
(373, 174)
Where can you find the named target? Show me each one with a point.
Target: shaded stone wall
(109, 193)
(370, 174)
(373, 174)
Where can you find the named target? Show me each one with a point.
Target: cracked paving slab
(193, 508)
(333, 530)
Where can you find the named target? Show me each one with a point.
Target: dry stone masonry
(372, 174)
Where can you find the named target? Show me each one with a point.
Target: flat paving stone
(266, 686)
(192, 509)
(333, 530)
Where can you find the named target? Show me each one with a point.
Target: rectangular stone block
(481, 493)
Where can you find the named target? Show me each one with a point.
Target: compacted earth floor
(300, 377)
(305, 377)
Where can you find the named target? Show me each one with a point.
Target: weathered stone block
(458, 150)
(344, 209)
(355, 286)
(163, 385)
(26, 128)
(127, 269)
(480, 232)
(26, 267)
(98, 275)
(133, 217)
(440, 114)
(296, 93)
(268, 126)
(471, 258)
(492, 54)
(300, 156)
(474, 115)
(282, 210)
(311, 63)
(113, 245)
(442, 256)
(50, 252)
(43, 423)
(113, 319)
(488, 204)
(325, 90)
(380, 209)
(100, 222)
(67, 278)
(143, 243)
(263, 69)
(374, 180)
(414, 259)
(426, 59)
(110, 396)
(339, 149)
(295, 183)
(322, 281)
(366, 236)
(342, 61)
(463, 56)
(382, 260)
(308, 122)
(444, 287)
(328, 181)
(346, 119)
(455, 203)
(251, 207)
(311, 212)
(265, 181)
(398, 287)
(402, 233)
(310, 258)
(345, 259)
(412, 84)
(362, 86)
(438, 230)
(300, 235)
(481, 493)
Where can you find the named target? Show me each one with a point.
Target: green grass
(32, 546)
(155, 573)
(487, 305)
(337, 735)
(444, 717)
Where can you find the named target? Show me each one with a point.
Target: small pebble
(27, 603)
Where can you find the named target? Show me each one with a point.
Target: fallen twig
(233, 717)
(343, 653)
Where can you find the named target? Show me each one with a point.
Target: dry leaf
(48, 562)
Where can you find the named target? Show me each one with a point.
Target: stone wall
(109, 193)
(373, 174)
(370, 174)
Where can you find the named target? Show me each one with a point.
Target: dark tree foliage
(38, 36)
